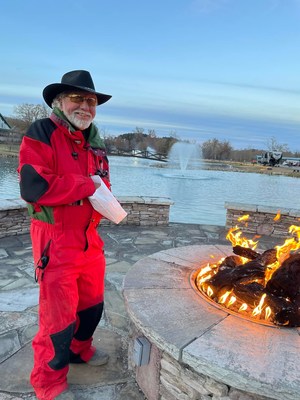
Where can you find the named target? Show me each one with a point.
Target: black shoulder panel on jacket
(32, 185)
(41, 130)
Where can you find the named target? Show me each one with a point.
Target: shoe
(65, 395)
(99, 358)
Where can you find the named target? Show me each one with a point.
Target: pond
(198, 194)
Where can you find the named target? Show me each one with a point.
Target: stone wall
(147, 211)
(262, 219)
(177, 381)
(165, 378)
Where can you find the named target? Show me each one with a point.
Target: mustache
(83, 113)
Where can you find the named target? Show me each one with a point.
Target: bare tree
(139, 130)
(152, 133)
(122, 143)
(225, 150)
(29, 113)
(213, 149)
(273, 145)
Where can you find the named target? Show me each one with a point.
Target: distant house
(10, 138)
(3, 123)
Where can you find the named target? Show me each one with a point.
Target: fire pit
(199, 350)
(261, 286)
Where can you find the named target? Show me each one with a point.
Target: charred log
(266, 258)
(247, 284)
(230, 262)
(286, 313)
(245, 252)
(227, 278)
(289, 318)
(250, 294)
(285, 282)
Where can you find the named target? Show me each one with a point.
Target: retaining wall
(263, 220)
(147, 211)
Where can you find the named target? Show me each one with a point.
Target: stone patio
(124, 246)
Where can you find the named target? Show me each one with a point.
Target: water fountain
(184, 161)
(183, 154)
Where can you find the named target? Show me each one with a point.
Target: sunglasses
(78, 98)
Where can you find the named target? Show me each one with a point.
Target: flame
(231, 301)
(205, 270)
(223, 298)
(234, 236)
(268, 312)
(204, 274)
(257, 310)
(243, 218)
(277, 216)
(295, 230)
(243, 307)
(283, 252)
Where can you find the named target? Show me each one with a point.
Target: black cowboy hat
(76, 80)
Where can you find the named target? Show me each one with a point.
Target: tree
(225, 150)
(213, 149)
(210, 149)
(28, 113)
(164, 144)
(139, 130)
(273, 145)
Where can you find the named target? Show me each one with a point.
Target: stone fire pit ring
(164, 307)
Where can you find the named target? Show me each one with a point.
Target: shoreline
(227, 166)
(235, 166)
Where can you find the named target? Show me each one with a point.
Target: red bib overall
(67, 249)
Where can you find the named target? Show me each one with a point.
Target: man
(61, 159)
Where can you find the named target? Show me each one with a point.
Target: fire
(277, 217)
(268, 312)
(257, 310)
(231, 301)
(243, 218)
(283, 252)
(234, 235)
(260, 309)
(224, 297)
(243, 307)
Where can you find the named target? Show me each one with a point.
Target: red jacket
(55, 168)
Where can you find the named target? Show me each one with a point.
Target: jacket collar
(93, 140)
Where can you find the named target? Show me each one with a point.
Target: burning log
(261, 288)
(245, 252)
(285, 282)
(266, 258)
(286, 313)
(227, 278)
(250, 293)
(230, 262)
(289, 318)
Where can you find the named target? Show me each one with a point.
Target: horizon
(200, 69)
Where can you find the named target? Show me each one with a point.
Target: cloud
(190, 98)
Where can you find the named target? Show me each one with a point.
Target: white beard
(78, 122)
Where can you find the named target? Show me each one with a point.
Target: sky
(197, 69)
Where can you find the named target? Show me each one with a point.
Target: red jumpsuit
(55, 168)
